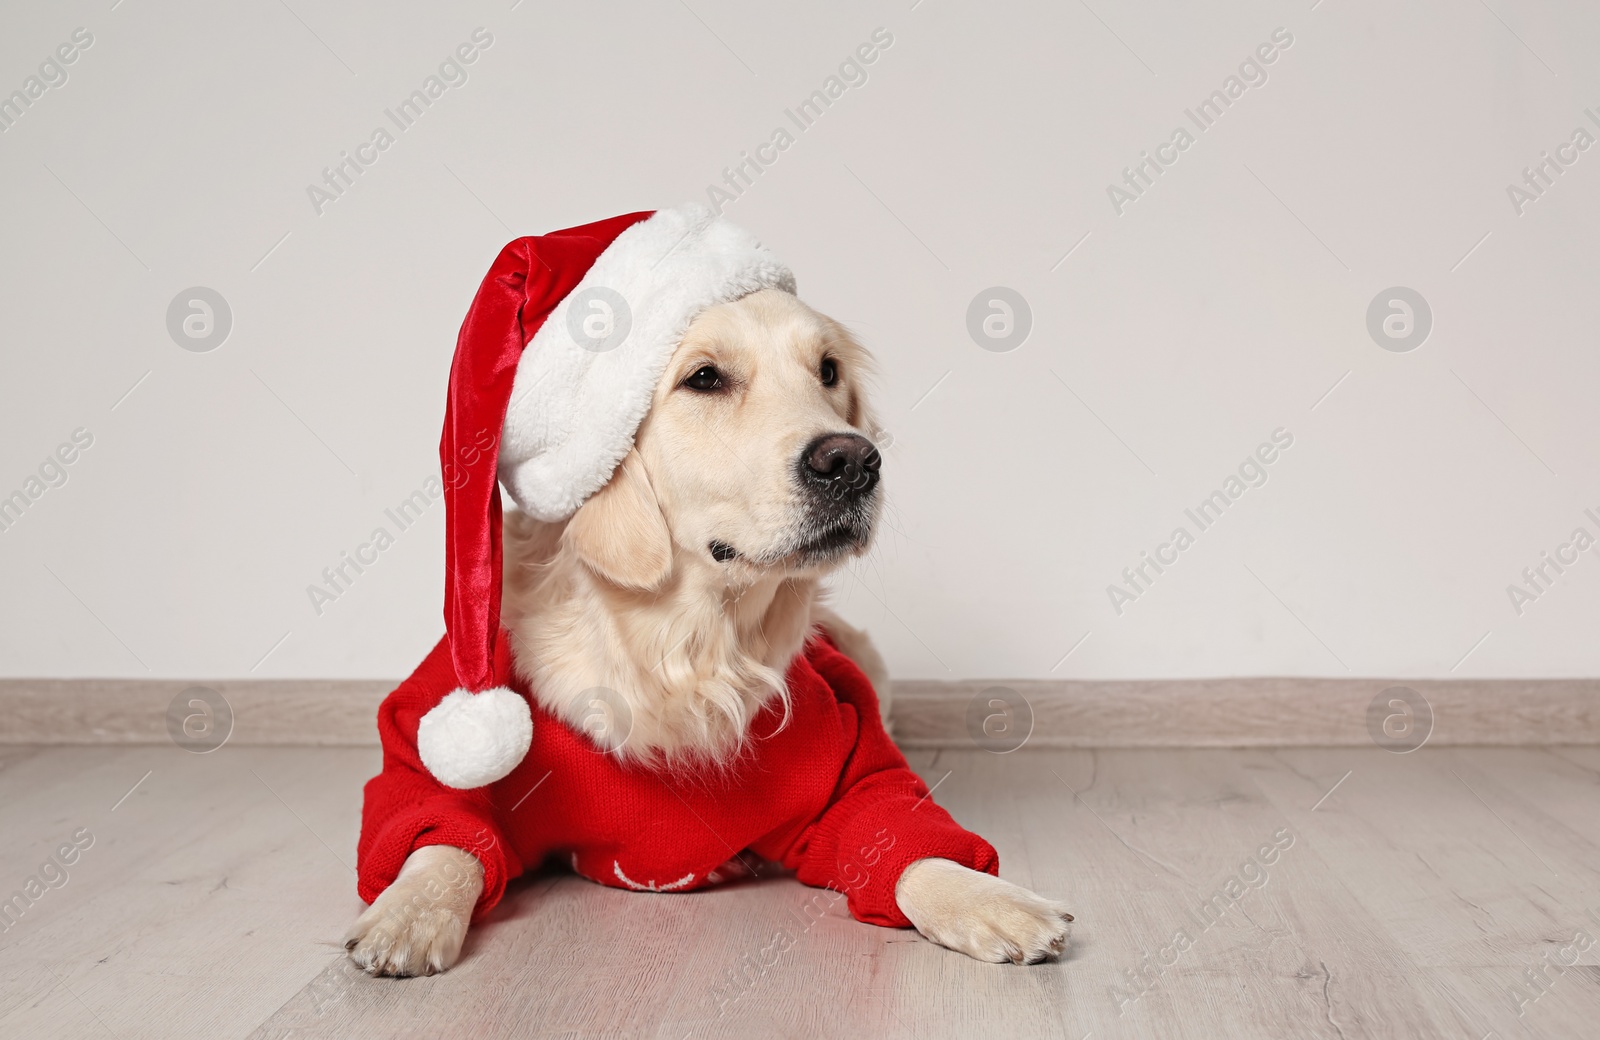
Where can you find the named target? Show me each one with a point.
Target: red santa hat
(554, 370)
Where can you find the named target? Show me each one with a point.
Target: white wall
(1220, 306)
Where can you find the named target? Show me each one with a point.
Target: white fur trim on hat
(472, 739)
(574, 409)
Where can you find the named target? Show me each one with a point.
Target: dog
(686, 588)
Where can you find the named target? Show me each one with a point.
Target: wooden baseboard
(1250, 712)
(135, 711)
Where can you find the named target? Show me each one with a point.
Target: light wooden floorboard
(1412, 901)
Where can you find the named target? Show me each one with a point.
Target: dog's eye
(829, 372)
(705, 378)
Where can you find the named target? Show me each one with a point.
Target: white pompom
(472, 739)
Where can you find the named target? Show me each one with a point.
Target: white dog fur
(698, 647)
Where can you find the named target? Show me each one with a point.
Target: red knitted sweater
(829, 796)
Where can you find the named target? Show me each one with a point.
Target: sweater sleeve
(405, 808)
(880, 819)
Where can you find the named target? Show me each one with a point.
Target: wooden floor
(1416, 900)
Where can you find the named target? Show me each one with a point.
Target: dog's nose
(841, 464)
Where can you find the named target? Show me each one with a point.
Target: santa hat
(555, 368)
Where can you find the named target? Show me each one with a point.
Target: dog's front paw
(980, 915)
(417, 925)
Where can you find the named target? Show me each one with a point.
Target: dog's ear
(620, 532)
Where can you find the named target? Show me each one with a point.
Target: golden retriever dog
(688, 584)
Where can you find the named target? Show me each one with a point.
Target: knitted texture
(829, 796)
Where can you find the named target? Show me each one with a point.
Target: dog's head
(755, 456)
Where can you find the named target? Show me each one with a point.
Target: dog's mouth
(810, 547)
(833, 541)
